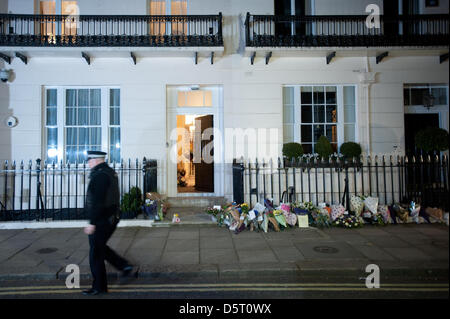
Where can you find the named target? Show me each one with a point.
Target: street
(248, 288)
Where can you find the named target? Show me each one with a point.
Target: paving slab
(373, 253)
(152, 232)
(387, 241)
(288, 254)
(216, 243)
(408, 254)
(250, 244)
(280, 243)
(184, 234)
(352, 238)
(180, 257)
(178, 245)
(214, 232)
(434, 251)
(140, 257)
(218, 256)
(257, 256)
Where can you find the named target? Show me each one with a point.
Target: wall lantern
(4, 75)
(428, 100)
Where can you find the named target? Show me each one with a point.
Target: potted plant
(432, 139)
(131, 204)
(323, 147)
(290, 151)
(350, 150)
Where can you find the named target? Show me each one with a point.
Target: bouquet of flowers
(348, 221)
(279, 217)
(322, 219)
(212, 211)
(150, 208)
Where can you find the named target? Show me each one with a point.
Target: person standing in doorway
(103, 210)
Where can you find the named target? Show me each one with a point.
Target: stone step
(189, 216)
(196, 202)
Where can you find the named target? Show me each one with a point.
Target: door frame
(219, 156)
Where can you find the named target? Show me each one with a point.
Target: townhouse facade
(127, 77)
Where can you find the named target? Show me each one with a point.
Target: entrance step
(189, 216)
(196, 202)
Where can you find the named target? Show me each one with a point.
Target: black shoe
(93, 292)
(126, 272)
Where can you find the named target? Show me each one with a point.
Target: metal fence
(57, 191)
(392, 179)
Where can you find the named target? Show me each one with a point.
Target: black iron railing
(89, 30)
(346, 31)
(310, 179)
(57, 191)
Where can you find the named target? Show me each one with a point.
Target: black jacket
(103, 196)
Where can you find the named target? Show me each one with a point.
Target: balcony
(345, 31)
(349, 34)
(110, 36)
(116, 31)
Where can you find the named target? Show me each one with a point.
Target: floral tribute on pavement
(364, 210)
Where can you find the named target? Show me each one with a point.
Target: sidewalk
(216, 253)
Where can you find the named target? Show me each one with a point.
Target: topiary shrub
(432, 139)
(323, 147)
(350, 150)
(132, 202)
(292, 150)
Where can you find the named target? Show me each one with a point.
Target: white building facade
(128, 99)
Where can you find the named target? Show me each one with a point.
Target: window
(310, 112)
(419, 94)
(81, 119)
(68, 27)
(194, 98)
(169, 8)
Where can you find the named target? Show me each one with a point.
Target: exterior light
(52, 152)
(428, 100)
(4, 75)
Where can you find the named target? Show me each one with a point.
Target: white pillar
(366, 79)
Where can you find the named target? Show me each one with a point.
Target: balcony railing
(117, 31)
(346, 31)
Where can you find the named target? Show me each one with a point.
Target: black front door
(413, 124)
(204, 170)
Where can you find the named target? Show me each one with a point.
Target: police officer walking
(103, 209)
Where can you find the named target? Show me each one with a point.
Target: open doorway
(195, 151)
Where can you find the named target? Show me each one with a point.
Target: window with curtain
(310, 112)
(83, 129)
(159, 26)
(82, 119)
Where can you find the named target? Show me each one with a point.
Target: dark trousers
(99, 252)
